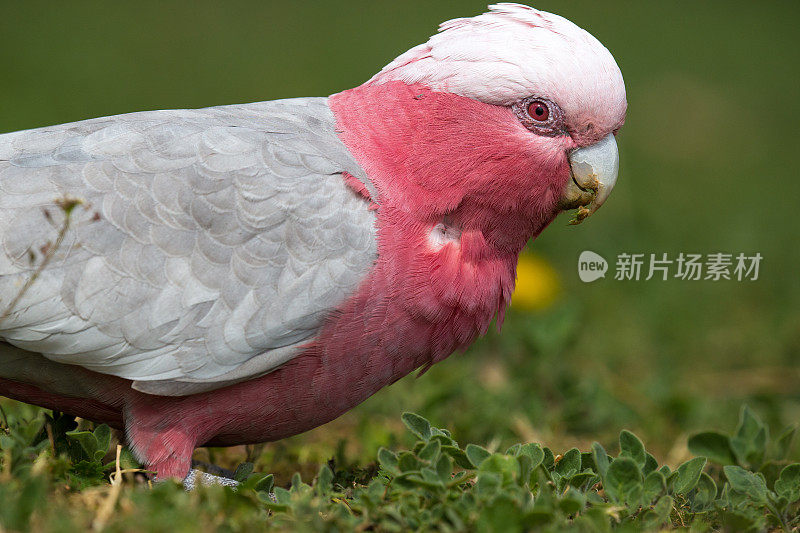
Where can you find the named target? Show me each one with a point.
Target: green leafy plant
(436, 484)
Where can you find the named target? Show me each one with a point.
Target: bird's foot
(197, 477)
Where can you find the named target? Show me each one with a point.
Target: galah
(243, 273)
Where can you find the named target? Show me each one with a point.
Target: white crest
(512, 52)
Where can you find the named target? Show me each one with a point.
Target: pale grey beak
(594, 173)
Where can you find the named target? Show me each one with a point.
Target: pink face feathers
(514, 52)
(480, 124)
(436, 154)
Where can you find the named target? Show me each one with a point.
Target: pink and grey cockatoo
(244, 273)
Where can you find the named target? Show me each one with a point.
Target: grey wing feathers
(209, 246)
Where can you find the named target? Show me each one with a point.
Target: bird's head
(534, 105)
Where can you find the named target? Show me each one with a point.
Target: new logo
(591, 266)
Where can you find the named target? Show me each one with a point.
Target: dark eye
(539, 111)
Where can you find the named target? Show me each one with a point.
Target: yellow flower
(538, 284)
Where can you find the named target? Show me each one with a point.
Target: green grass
(708, 164)
(54, 479)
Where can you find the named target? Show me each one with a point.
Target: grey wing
(209, 245)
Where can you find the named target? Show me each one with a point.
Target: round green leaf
(430, 452)
(788, 484)
(570, 463)
(654, 485)
(387, 459)
(631, 446)
(688, 474)
(534, 451)
(713, 445)
(417, 425)
(623, 481)
(476, 454)
(705, 493)
(747, 483)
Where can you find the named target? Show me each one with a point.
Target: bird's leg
(162, 439)
(164, 442)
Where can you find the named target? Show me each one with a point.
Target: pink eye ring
(540, 115)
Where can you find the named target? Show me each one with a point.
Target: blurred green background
(708, 165)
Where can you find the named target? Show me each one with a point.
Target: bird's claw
(197, 477)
